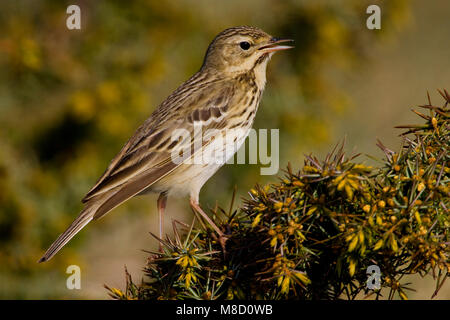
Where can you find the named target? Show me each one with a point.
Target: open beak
(273, 45)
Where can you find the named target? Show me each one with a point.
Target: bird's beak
(273, 45)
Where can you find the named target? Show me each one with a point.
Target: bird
(223, 95)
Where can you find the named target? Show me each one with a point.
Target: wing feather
(149, 149)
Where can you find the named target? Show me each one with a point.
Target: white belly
(189, 178)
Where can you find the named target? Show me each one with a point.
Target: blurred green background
(69, 99)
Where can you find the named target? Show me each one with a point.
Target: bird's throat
(260, 71)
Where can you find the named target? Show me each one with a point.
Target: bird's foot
(222, 239)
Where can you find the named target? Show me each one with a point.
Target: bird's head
(240, 49)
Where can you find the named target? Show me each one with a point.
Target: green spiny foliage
(314, 234)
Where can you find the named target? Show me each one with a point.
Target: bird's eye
(244, 45)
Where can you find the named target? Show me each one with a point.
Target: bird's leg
(196, 207)
(162, 201)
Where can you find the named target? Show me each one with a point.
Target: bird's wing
(149, 151)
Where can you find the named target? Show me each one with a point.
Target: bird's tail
(98, 206)
(83, 219)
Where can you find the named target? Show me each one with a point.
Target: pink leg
(162, 201)
(222, 238)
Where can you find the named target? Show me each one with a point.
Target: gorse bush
(314, 234)
(69, 100)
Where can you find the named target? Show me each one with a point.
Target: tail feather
(83, 219)
(102, 204)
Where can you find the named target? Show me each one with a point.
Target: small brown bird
(223, 95)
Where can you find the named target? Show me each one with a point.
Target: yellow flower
(300, 234)
(310, 169)
(417, 216)
(421, 186)
(361, 236)
(362, 168)
(379, 221)
(352, 268)
(117, 292)
(394, 244)
(256, 220)
(349, 192)
(188, 280)
(378, 245)
(285, 285)
(277, 206)
(261, 207)
(311, 211)
(353, 244)
(183, 261)
(362, 250)
(434, 122)
(188, 276)
(298, 183)
(341, 185)
(391, 202)
(273, 242)
(353, 182)
(302, 277)
(187, 260)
